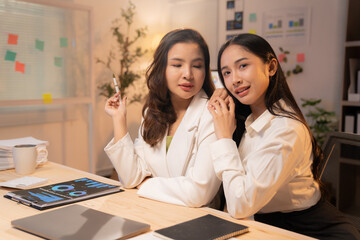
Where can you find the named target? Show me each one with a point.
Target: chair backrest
(333, 141)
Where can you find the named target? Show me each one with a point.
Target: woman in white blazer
(170, 160)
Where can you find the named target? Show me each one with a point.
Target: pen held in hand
(116, 87)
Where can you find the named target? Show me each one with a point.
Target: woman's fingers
(223, 93)
(115, 102)
(219, 92)
(218, 108)
(124, 101)
(223, 105)
(212, 110)
(223, 118)
(227, 99)
(231, 106)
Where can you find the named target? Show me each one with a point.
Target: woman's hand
(221, 93)
(224, 117)
(117, 110)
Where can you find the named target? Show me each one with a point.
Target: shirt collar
(260, 122)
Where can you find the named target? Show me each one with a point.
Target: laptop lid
(79, 222)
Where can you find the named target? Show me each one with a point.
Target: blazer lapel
(156, 158)
(182, 144)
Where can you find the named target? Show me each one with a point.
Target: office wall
(324, 53)
(201, 15)
(324, 50)
(323, 66)
(154, 15)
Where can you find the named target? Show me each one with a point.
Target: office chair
(341, 172)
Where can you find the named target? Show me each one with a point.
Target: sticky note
(252, 17)
(19, 67)
(58, 61)
(300, 57)
(63, 42)
(281, 57)
(252, 31)
(10, 55)
(39, 45)
(13, 39)
(47, 98)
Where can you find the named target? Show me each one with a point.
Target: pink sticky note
(19, 67)
(300, 57)
(281, 57)
(13, 39)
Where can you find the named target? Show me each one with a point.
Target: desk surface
(126, 204)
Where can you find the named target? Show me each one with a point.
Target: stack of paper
(6, 159)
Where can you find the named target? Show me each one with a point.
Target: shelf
(352, 44)
(350, 161)
(350, 104)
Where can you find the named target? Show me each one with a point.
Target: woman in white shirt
(179, 82)
(274, 171)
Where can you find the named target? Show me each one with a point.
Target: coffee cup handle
(44, 153)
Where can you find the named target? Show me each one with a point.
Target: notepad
(203, 228)
(24, 182)
(76, 222)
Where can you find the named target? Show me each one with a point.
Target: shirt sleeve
(248, 188)
(128, 161)
(199, 185)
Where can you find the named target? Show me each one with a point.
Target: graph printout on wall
(287, 26)
(43, 49)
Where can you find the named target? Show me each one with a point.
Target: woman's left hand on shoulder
(221, 93)
(224, 117)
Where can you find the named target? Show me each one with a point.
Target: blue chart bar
(82, 179)
(46, 197)
(92, 183)
(299, 23)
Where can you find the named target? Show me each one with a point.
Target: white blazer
(185, 174)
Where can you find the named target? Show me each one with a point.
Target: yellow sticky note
(47, 98)
(253, 31)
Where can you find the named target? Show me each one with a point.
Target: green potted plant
(321, 121)
(121, 59)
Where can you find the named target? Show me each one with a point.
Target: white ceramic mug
(25, 158)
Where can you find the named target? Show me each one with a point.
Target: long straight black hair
(277, 89)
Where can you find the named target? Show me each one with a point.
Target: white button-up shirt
(271, 170)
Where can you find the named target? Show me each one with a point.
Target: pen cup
(25, 158)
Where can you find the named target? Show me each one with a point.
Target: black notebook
(202, 228)
(77, 222)
(62, 193)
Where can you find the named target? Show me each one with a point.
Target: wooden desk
(125, 204)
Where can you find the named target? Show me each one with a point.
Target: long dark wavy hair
(158, 111)
(277, 89)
